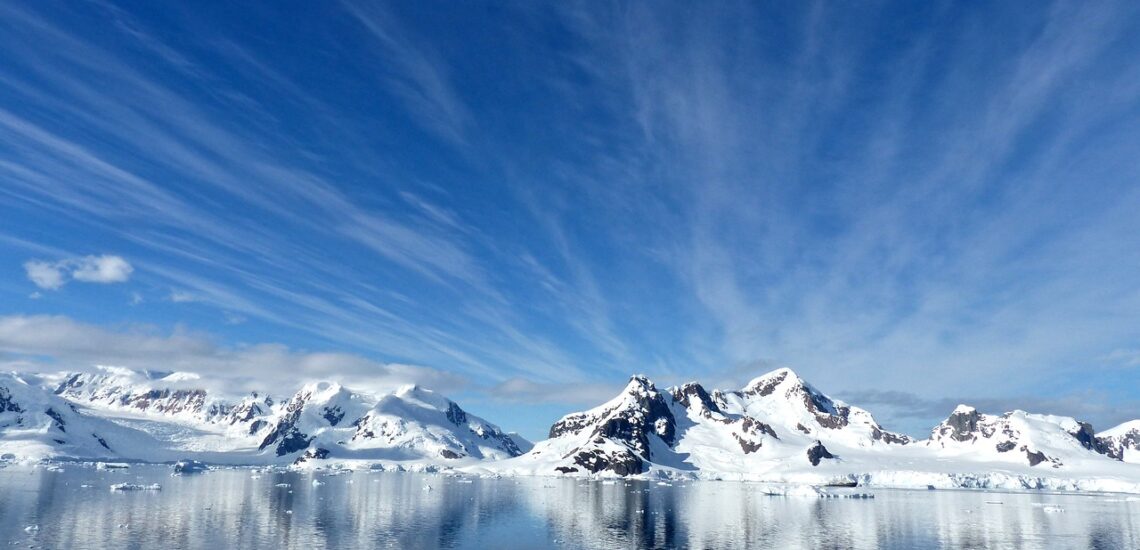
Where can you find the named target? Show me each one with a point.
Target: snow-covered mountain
(776, 428)
(775, 419)
(1016, 436)
(328, 421)
(780, 428)
(170, 416)
(35, 423)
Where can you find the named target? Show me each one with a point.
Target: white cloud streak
(103, 269)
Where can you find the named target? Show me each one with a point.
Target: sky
(520, 204)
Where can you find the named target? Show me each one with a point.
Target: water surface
(75, 508)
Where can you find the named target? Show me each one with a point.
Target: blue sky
(518, 203)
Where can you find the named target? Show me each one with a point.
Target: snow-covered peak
(1127, 428)
(768, 383)
(423, 396)
(175, 377)
(964, 409)
(326, 392)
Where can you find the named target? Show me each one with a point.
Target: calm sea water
(236, 509)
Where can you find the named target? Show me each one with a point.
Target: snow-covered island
(778, 429)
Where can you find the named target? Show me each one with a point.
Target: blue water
(75, 508)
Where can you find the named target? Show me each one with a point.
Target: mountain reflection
(239, 508)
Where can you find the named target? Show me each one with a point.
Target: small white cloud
(104, 269)
(136, 298)
(46, 275)
(182, 297)
(233, 318)
(35, 295)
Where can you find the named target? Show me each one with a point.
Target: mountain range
(777, 427)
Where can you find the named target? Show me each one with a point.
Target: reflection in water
(233, 508)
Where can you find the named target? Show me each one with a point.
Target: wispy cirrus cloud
(938, 201)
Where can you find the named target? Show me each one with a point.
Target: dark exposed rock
(623, 463)
(333, 415)
(1085, 435)
(1005, 446)
(963, 424)
(1034, 458)
(746, 445)
(1114, 447)
(449, 454)
(285, 434)
(72, 381)
(686, 394)
(245, 411)
(456, 414)
(572, 424)
(57, 419)
(7, 404)
(889, 437)
(752, 426)
(565, 469)
(312, 454)
(803, 428)
(256, 426)
(818, 452)
(767, 387)
(651, 414)
(101, 441)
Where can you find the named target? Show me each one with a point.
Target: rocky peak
(961, 425)
(692, 394)
(766, 384)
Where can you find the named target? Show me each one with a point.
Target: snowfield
(777, 429)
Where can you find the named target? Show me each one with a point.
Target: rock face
(818, 452)
(617, 437)
(1121, 442)
(690, 428)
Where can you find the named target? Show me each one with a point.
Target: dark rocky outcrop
(817, 453)
(623, 462)
(56, 419)
(456, 415)
(312, 454)
(285, 434)
(333, 415)
(889, 437)
(7, 403)
(962, 424)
